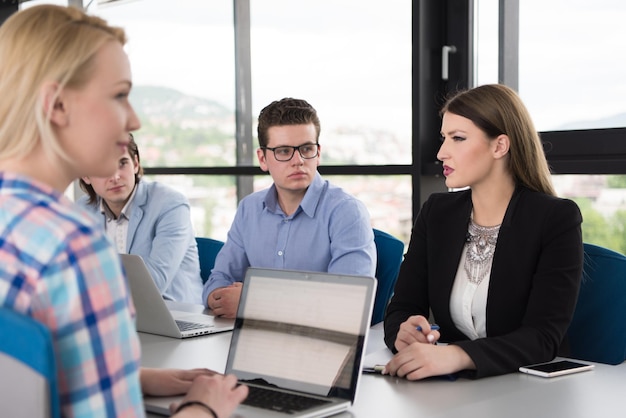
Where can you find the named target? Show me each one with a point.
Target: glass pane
(387, 198)
(602, 201)
(350, 60)
(213, 201)
(182, 58)
(572, 65)
(485, 42)
(570, 62)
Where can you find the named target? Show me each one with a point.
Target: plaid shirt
(57, 266)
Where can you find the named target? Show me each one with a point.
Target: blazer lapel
(453, 218)
(456, 238)
(140, 200)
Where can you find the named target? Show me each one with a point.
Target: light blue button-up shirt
(330, 231)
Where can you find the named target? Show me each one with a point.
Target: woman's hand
(418, 361)
(220, 393)
(408, 333)
(169, 382)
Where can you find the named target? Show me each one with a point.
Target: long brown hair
(497, 109)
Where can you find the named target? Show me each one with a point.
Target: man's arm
(231, 262)
(352, 240)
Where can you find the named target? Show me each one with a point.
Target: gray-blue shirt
(330, 231)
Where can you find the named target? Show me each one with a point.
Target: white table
(596, 393)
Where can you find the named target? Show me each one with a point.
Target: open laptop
(153, 314)
(297, 334)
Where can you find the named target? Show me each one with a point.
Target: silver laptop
(297, 335)
(153, 314)
(300, 335)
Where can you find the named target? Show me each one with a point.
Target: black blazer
(534, 283)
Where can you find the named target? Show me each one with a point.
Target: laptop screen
(302, 331)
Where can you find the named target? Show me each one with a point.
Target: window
(571, 79)
(182, 59)
(351, 61)
(352, 64)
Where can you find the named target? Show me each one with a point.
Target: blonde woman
(65, 114)
(498, 264)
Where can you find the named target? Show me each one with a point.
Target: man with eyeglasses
(302, 222)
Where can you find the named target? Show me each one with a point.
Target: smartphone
(556, 368)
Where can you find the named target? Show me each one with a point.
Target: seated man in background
(151, 220)
(301, 222)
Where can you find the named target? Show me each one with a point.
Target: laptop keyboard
(273, 400)
(186, 326)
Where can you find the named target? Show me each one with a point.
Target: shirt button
(280, 253)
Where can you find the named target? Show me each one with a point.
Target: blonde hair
(42, 44)
(497, 109)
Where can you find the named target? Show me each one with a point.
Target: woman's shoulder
(555, 208)
(57, 226)
(536, 198)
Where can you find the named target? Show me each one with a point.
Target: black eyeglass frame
(293, 151)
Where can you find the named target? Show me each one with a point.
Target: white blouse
(468, 302)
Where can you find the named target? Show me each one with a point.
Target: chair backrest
(28, 377)
(598, 329)
(389, 251)
(207, 251)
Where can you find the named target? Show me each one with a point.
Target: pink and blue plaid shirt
(57, 266)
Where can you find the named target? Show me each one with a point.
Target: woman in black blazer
(498, 264)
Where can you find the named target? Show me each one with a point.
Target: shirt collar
(313, 195)
(309, 201)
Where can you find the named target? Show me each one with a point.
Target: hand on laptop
(225, 300)
(216, 395)
(169, 382)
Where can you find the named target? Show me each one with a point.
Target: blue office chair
(390, 252)
(207, 251)
(28, 377)
(598, 329)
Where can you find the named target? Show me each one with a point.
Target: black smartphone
(556, 368)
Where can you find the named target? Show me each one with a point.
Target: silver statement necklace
(481, 244)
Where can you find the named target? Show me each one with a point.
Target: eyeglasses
(286, 153)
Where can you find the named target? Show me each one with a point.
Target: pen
(378, 369)
(433, 327)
